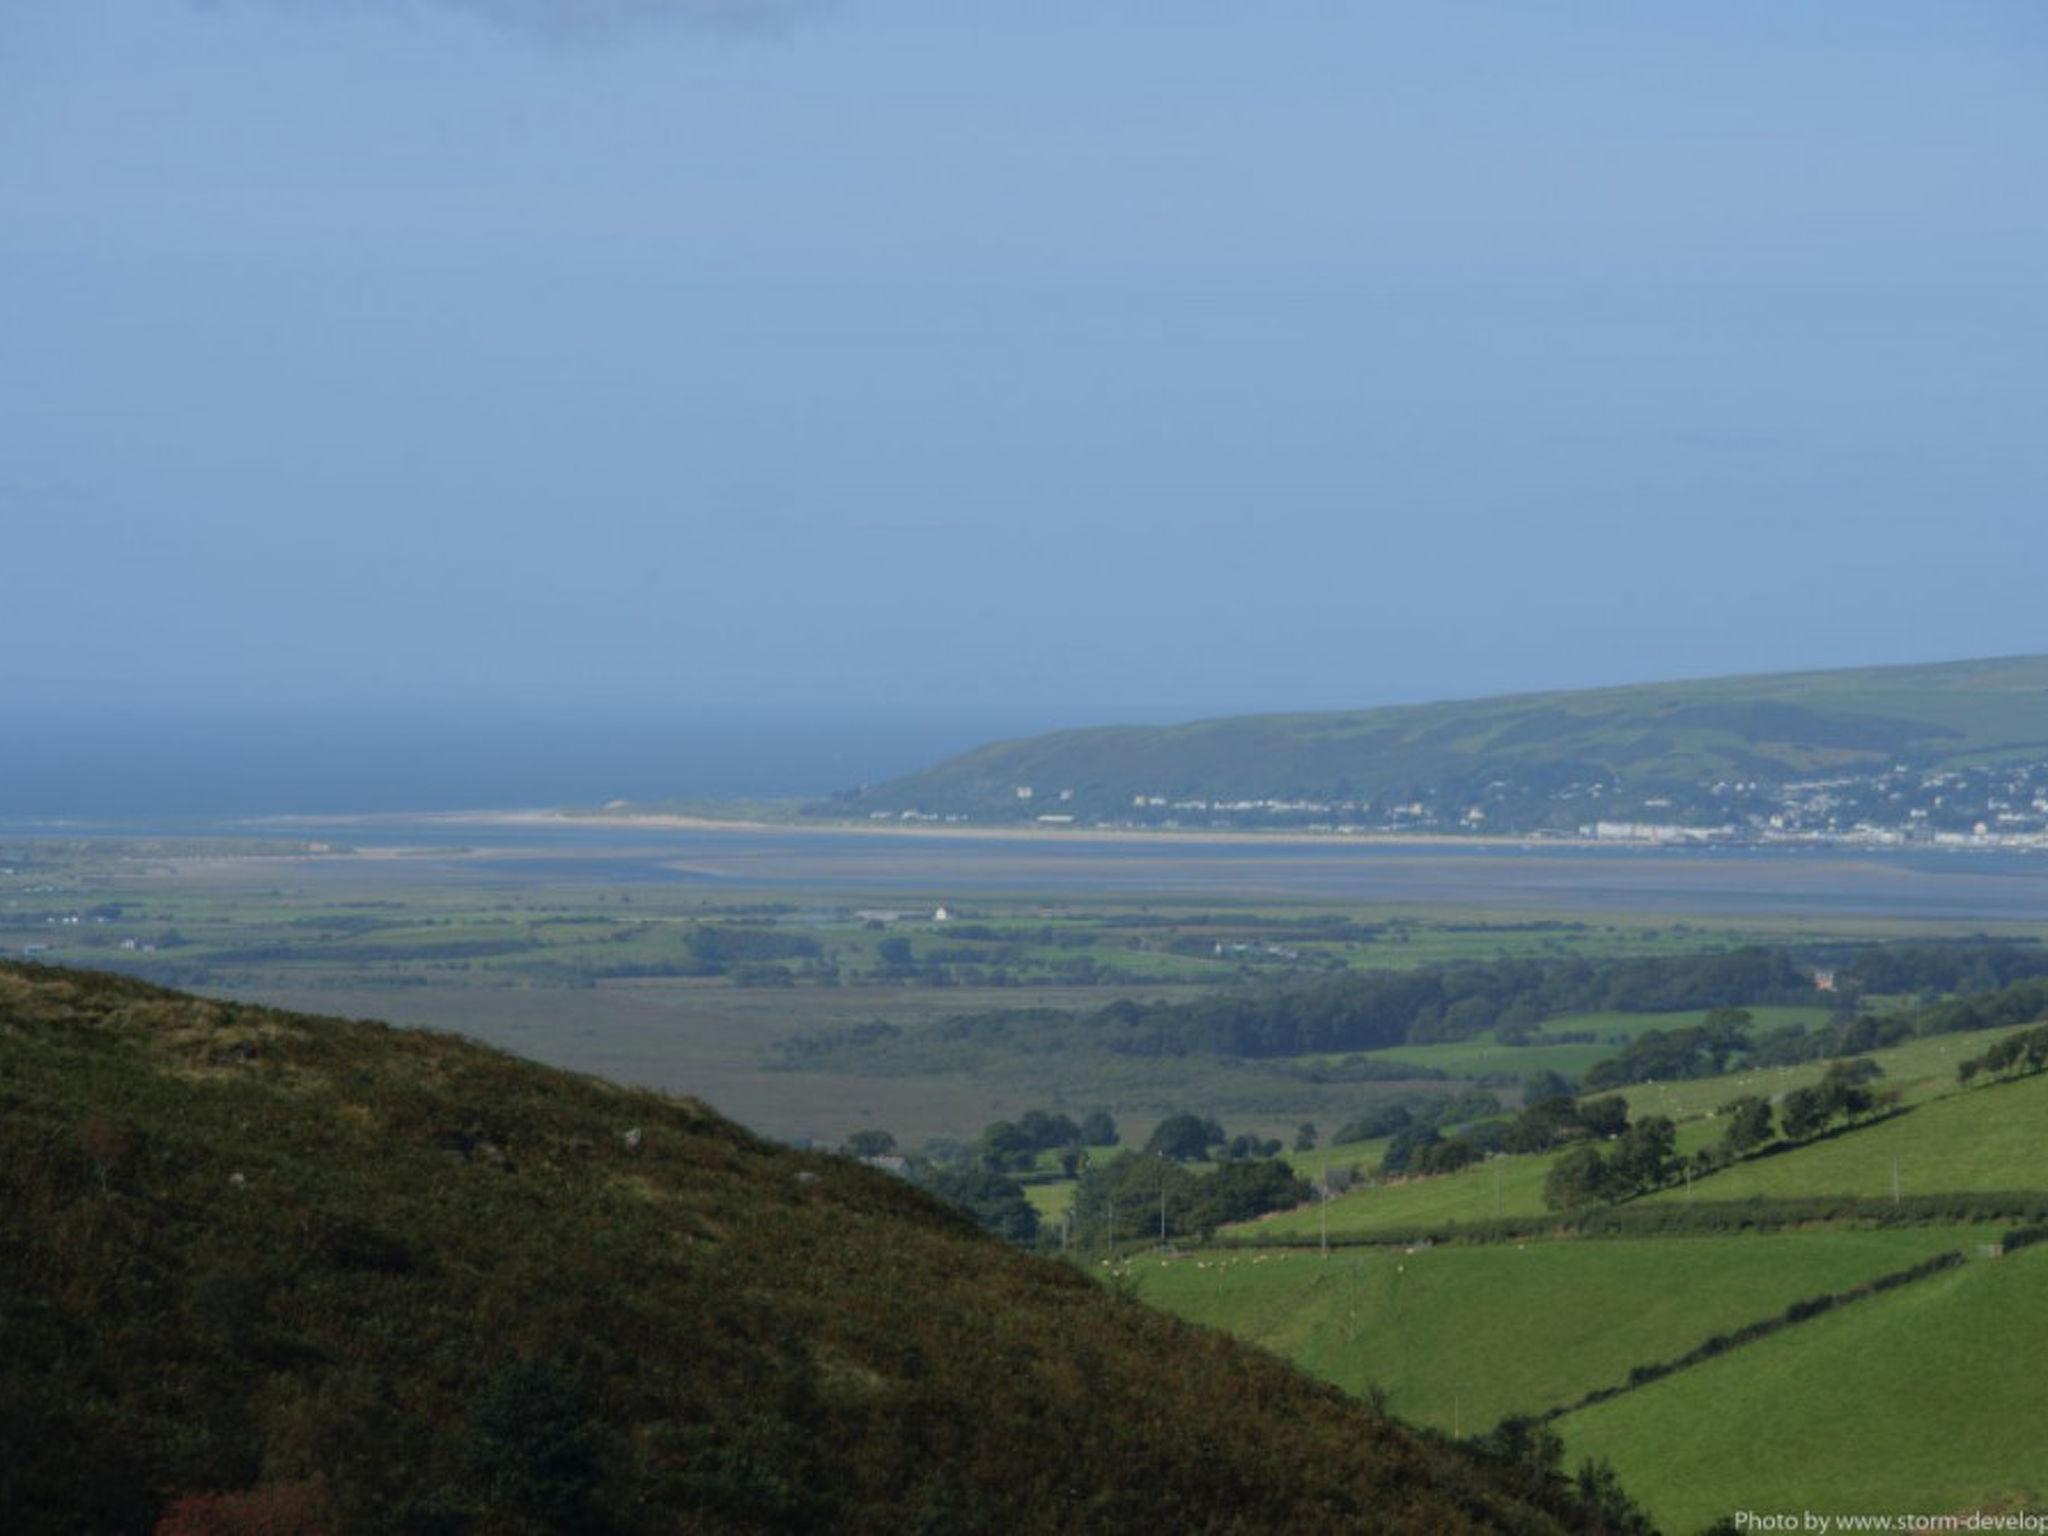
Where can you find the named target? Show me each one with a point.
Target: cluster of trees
(1133, 1196)
(1344, 1015)
(1017, 1143)
(2021, 1003)
(1551, 1117)
(1372, 1010)
(1417, 1109)
(1643, 1158)
(1963, 965)
(2017, 1055)
(993, 1199)
(978, 1176)
(1666, 1055)
(1531, 1453)
(1004, 1145)
(1457, 1132)
(1194, 1139)
(1724, 1042)
(1844, 1094)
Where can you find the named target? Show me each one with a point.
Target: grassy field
(1939, 1146)
(1925, 1400)
(1459, 1337)
(1991, 1137)
(1502, 1186)
(1920, 1069)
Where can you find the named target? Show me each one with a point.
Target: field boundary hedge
(1798, 1312)
(1696, 1218)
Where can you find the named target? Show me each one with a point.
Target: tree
(869, 1144)
(1612, 1511)
(998, 1203)
(1044, 1131)
(1842, 1091)
(894, 953)
(1407, 1143)
(1643, 1156)
(1098, 1129)
(1539, 1086)
(1749, 1122)
(1605, 1117)
(1305, 1136)
(1578, 1178)
(1240, 1191)
(1004, 1145)
(1804, 1112)
(1374, 1123)
(1185, 1138)
(1444, 1156)
(1542, 1126)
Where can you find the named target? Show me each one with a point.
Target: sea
(426, 781)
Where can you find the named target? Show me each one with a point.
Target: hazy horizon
(1054, 361)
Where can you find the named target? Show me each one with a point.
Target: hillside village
(2002, 806)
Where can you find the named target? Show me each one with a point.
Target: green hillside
(1987, 1138)
(1527, 759)
(1924, 1400)
(1991, 1137)
(299, 1275)
(1461, 1337)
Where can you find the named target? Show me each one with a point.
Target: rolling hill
(1524, 761)
(1921, 1400)
(265, 1271)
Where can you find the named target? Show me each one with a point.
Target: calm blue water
(1952, 888)
(72, 771)
(161, 764)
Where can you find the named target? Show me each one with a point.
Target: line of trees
(1668, 1055)
(1643, 1157)
(1373, 1010)
(1725, 1041)
(2020, 1055)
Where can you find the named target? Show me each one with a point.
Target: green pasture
(1459, 1337)
(1924, 1400)
(1501, 1186)
(1921, 1069)
(1994, 1136)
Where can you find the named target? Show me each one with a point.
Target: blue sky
(1085, 359)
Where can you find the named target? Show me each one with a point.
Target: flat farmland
(709, 1040)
